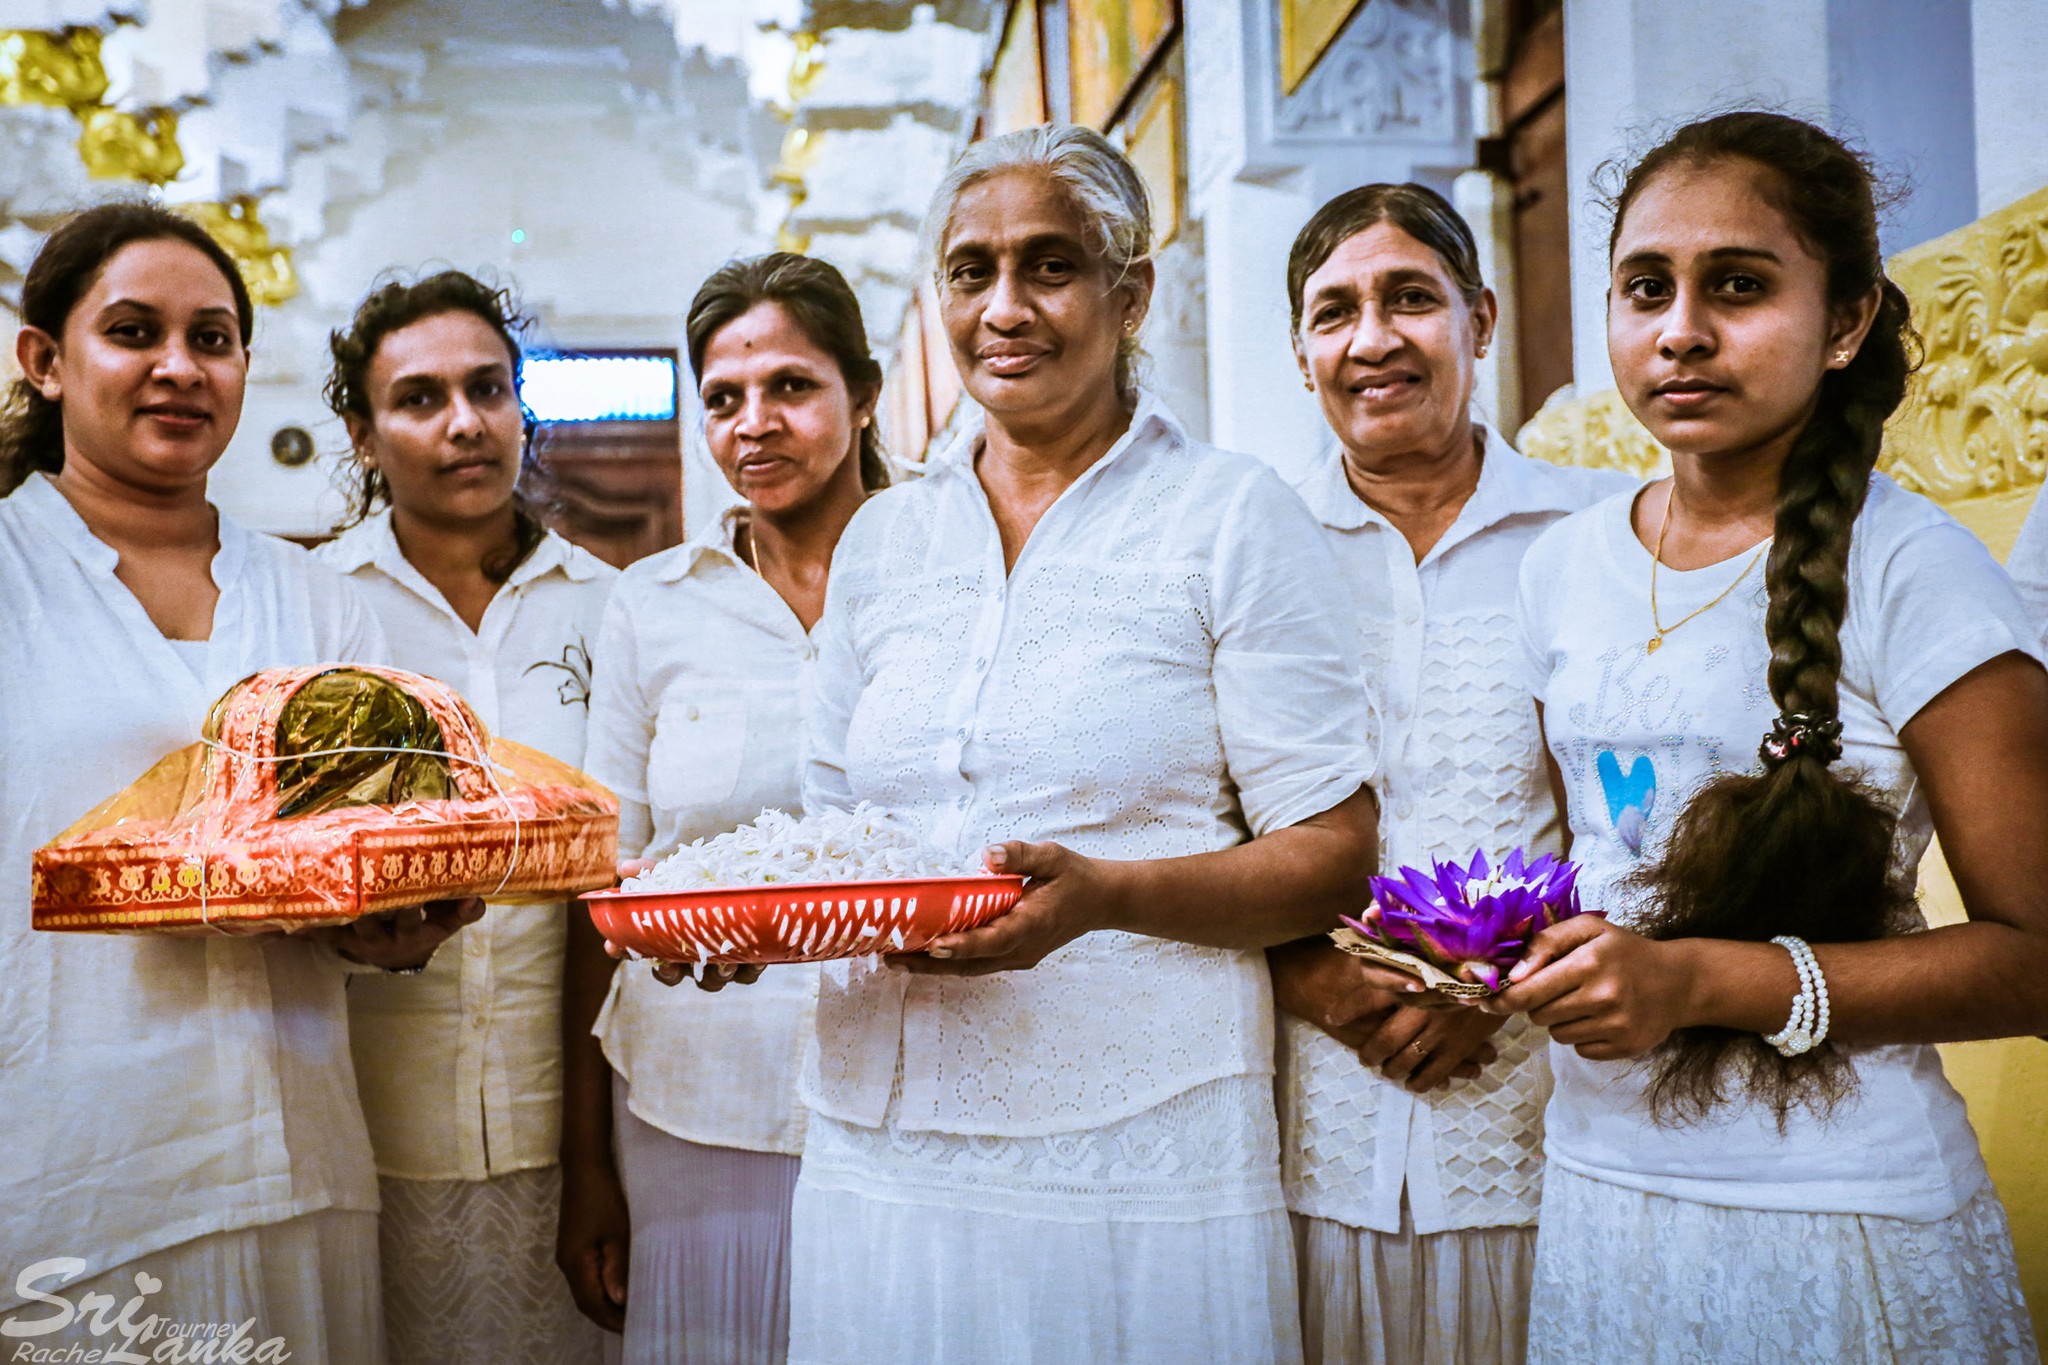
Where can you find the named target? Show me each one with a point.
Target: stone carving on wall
(1975, 421)
(1389, 75)
(1598, 432)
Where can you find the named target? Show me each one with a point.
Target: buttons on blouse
(1410, 617)
(691, 713)
(981, 664)
(961, 734)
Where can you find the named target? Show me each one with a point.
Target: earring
(1130, 328)
(1842, 357)
(1308, 384)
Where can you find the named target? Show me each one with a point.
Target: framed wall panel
(1306, 28)
(1016, 85)
(1109, 45)
(1154, 144)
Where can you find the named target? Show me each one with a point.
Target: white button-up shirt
(460, 1067)
(1163, 672)
(697, 725)
(1463, 770)
(155, 1088)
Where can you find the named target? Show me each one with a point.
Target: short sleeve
(1298, 720)
(621, 724)
(1943, 606)
(2028, 565)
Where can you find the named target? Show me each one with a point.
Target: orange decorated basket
(798, 922)
(319, 795)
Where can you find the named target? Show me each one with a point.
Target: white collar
(372, 543)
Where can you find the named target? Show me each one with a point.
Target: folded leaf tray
(798, 922)
(1428, 973)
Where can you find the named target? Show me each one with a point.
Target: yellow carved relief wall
(1972, 435)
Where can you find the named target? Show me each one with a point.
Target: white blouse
(696, 722)
(1463, 770)
(1635, 733)
(460, 1067)
(156, 1088)
(1161, 673)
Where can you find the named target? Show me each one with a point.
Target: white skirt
(306, 1287)
(708, 1278)
(1160, 1238)
(470, 1276)
(1623, 1275)
(1408, 1298)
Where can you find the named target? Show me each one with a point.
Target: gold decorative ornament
(1973, 431)
(61, 70)
(117, 145)
(806, 68)
(1598, 432)
(800, 145)
(266, 268)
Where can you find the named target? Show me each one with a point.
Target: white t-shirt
(1463, 769)
(1163, 672)
(1634, 733)
(460, 1067)
(697, 723)
(155, 1089)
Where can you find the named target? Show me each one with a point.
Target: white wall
(2010, 39)
(623, 218)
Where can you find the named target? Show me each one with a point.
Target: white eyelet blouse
(1163, 672)
(1463, 770)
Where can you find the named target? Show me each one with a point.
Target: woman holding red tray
(459, 1066)
(697, 724)
(1415, 1194)
(1053, 1137)
(182, 1118)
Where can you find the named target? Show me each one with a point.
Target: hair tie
(1801, 734)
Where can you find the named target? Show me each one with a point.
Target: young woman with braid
(1752, 1152)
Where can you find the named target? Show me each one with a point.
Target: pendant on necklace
(1656, 643)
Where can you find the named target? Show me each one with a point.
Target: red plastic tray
(799, 921)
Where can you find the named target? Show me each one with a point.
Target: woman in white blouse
(459, 1067)
(697, 723)
(1100, 654)
(1414, 1193)
(1752, 1152)
(182, 1117)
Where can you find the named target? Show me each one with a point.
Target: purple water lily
(1473, 921)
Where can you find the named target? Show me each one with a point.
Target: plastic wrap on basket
(319, 795)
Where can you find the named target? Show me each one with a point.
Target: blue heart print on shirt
(1629, 796)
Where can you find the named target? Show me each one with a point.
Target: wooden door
(1533, 100)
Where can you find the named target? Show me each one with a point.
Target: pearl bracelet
(1807, 1029)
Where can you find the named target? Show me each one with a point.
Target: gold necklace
(1657, 640)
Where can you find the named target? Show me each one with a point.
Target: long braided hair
(1799, 848)
(397, 304)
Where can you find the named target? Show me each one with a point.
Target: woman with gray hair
(1093, 651)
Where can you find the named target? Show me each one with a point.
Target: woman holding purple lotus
(1752, 1152)
(1410, 1136)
